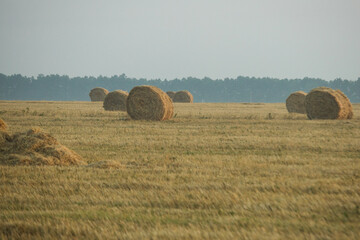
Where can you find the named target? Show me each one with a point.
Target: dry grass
(219, 171)
(106, 165)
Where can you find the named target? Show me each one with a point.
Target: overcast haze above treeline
(240, 89)
(170, 39)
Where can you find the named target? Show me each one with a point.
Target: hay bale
(4, 136)
(183, 96)
(171, 94)
(326, 103)
(149, 103)
(115, 101)
(346, 102)
(36, 147)
(3, 125)
(295, 103)
(98, 94)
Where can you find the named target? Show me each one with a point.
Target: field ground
(214, 171)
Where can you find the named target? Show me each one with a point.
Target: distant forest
(240, 89)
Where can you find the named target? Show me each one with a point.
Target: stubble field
(214, 171)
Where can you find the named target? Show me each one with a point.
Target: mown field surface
(214, 171)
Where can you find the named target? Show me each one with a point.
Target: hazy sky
(181, 38)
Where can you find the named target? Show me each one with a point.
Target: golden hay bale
(326, 103)
(4, 136)
(149, 103)
(98, 94)
(36, 147)
(106, 164)
(183, 96)
(3, 125)
(346, 102)
(171, 94)
(115, 101)
(295, 103)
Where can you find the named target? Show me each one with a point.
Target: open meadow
(214, 171)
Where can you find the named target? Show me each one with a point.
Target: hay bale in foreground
(149, 103)
(115, 101)
(326, 103)
(183, 96)
(171, 94)
(3, 125)
(36, 147)
(98, 94)
(4, 136)
(295, 103)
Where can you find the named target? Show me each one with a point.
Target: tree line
(240, 89)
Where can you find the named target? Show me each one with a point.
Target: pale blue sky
(181, 38)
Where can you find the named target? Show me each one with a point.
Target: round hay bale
(295, 103)
(4, 136)
(149, 103)
(115, 101)
(3, 125)
(326, 103)
(171, 94)
(183, 96)
(347, 103)
(98, 94)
